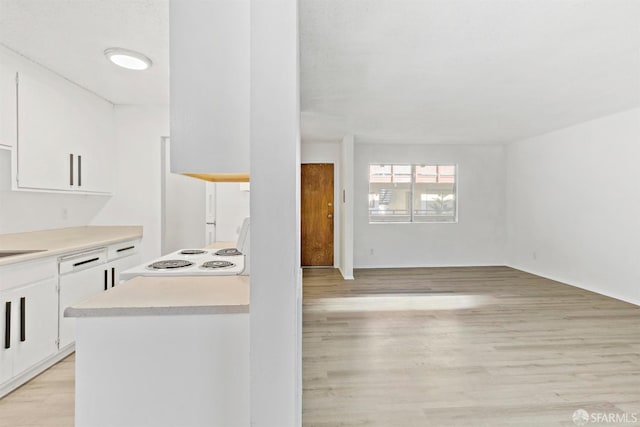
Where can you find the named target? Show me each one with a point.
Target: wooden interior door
(316, 214)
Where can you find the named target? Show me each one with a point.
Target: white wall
(183, 210)
(573, 205)
(137, 186)
(276, 290)
(477, 239)
(232, 206)
(328, 152)
(185, 205)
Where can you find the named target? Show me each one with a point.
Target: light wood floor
(45, 401)
(487, 346)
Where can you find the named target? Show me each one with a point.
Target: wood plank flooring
(488, 346)
(45, 401)
(485, 346)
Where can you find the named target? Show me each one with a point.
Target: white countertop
(144, 296)
(64, 240)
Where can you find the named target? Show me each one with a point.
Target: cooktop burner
(170, 264)
(192, 252)
(217, 264)
(228, 252)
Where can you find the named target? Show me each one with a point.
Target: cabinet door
(46, 119)
(74, 288)
(36, 328)
(95, 145)
(123, 264)
(6, 354)
(8, 106)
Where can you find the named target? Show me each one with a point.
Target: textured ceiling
(70, 36)
(434, 71)
(464, 71)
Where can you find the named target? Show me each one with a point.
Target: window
(412, 193)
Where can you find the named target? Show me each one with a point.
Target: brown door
(316, 214)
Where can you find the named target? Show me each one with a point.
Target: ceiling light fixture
(127, 58)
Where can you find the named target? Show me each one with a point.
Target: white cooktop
(195, 269)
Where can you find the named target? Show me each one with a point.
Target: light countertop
(144, 296)
(64, 240)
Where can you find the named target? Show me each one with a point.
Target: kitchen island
(168, 351)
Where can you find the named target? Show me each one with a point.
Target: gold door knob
(329, 216)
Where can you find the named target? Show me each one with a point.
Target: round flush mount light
(127, 58)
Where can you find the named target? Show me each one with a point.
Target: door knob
(329, 216)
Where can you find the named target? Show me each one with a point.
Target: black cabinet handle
(124, 249)
(106, 272)
(79, 171)
(70, 169)
(87, 261)
(23, 319)
(7, 325)
(113, 276)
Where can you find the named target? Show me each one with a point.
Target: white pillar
(275, 215)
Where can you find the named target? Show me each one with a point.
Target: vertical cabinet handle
(113, 276)
(106, 272)
(7, 325)
(79, 171)
(23, 319)
(70, 169)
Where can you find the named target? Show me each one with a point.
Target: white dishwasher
(82, 275)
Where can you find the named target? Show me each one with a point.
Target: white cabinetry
(209, 42)
(28, 304)
(64, 135)
(8, 106)
(81, 276)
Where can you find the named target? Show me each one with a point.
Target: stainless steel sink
(4, 254)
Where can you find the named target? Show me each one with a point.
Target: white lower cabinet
(36, 336)
(74, 288)
(121, 265)
(28, 321)
(122, 256)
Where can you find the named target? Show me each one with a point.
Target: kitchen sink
(4, 254)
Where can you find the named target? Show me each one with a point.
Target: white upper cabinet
(64, 133)
(61, 134)
(209, 51)
(8, 121)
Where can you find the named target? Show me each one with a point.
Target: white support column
(276, 322)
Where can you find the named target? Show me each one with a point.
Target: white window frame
(412, 215)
